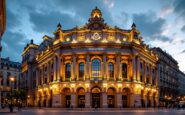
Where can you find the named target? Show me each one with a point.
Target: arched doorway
(142, 98)
(154, 100)
(44, 101)
(111, 97)
(81, 97)
(50, 98)
(96, 96)
(39, 100)
(125, 97)
(149, 101)
(66, 97)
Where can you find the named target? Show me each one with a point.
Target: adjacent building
(181, 88)
(169, 80)
(94, 65)
(8, 69)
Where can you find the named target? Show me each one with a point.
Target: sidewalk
(7, 110)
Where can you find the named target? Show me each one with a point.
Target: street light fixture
(12, 79)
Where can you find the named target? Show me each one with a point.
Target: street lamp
(12, 79)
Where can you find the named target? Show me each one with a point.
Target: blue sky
(161, 22)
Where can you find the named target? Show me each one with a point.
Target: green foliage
(20, 94)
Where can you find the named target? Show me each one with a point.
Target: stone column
(58, 69)
(54, 69)
(74, 68)
(130, 69)
(104, 65)
(73, 99)
(87, 100)
(87, 66)
(118, 66)
(119, 99)
(37, 77)
(62, 69)
(138, 69)
(156, 76)
(48, 72)
(104, 94)
(145, 69)
(150, 77)
(134, 68)
(42, 74)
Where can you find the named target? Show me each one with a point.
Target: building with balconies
(95, 65)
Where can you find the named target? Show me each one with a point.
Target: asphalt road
(98, 112)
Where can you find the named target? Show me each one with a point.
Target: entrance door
(96, 100)
(110, 99)
(81, 101)
(124, 100)
(68, 101)
(44, 104)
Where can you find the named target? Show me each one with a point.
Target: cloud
(47, 22)
(183, 28)
(12, 20)
(179, 8)
(150, 26)
(165, 11)
(109, 3)
(183, 51)
(69, 13)
(13, 44)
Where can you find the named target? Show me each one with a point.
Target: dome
(96, 13)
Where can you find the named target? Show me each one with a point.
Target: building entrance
(110, 101)
(81, 101)
(68, 101)
(96, 96)
(96, 100)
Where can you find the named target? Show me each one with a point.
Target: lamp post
(12, 79)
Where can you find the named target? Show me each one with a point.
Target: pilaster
(138, 69)
(104, 94)
(87, 66)
(118, 99)
(87, 99)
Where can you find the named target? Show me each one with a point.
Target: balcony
(96, 78)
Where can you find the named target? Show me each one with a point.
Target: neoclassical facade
(94, 65)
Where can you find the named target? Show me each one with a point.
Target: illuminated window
(68, 71)
(81, 70)
(96, 67)
(111, 70)
(124, 70)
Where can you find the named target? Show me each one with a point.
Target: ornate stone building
(8, 69)
(169, 75)
(94, 65)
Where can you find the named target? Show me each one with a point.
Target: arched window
(81, 70)
(124, 70)
(68, 71)
(96, 67)
(111, 70)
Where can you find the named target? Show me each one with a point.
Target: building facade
(168, 78)
(94, 65)
(181, 88)
(8, 69)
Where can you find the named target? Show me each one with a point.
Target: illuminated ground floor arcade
(100, 95)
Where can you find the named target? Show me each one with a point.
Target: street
(97, 112)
